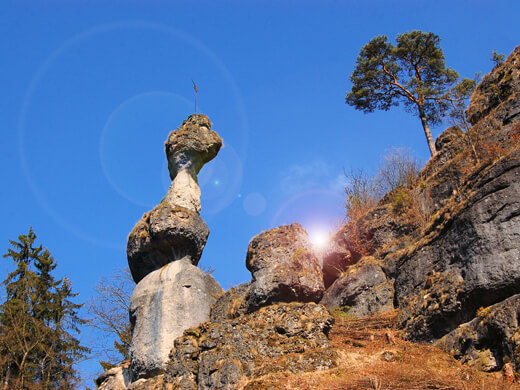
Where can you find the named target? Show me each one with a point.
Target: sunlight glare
(318, 238)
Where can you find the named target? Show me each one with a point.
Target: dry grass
(373, 356)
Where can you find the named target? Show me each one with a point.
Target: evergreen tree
(38, 322)
(413, 72)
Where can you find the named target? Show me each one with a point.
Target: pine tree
(38, 322)
(413, 72)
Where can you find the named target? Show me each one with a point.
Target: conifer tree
(38, 322)
(413, 72)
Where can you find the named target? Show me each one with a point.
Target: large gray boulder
(164, 304)
(364, 288)
(165, 234)
(284, 267)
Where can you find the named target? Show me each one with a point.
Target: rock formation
(164, 304)
(364, 289)
(174, 229)
(491, 339)
(449, 276)
(442, 272)
(172, 294)
(228, 354)
(284, 267)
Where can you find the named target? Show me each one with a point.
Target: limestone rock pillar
(163, 249)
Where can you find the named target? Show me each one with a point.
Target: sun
(318, 237)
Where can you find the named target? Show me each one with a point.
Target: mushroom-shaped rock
(165, 234)
(284, 267)
(163, 305)
(188, 148)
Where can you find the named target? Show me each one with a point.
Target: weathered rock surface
(491, 339)
(364, 288)
(164, 304)
(116, 378)
(335, 259)
(284, 267)
(228, 355)
(231, 304)
(472, 262)
(165, 234)
(188, 148)
(495, 89)
(192, 145)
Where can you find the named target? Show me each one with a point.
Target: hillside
(422, 291)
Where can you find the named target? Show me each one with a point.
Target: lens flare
(318, 237)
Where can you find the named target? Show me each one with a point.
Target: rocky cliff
(443, 268)
(443, 272)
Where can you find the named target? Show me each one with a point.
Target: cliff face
(442, 268)
(465, 256)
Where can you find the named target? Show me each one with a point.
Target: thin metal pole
(195, 88)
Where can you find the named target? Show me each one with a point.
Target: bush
(397, 169)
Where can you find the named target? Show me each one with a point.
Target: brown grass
(373, 356)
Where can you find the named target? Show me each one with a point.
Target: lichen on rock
(284, 267)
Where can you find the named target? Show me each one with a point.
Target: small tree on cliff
(413, 72)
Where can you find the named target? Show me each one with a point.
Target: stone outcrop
(363, 288)
(284, 268)
(467, 253)
(232, 353)
(165, 303)
(167, 233)
(473, 262)
(452, 273)
(174, 229)
(491, 339)
(495, 96)
(232, 304)
(163, 249)
(117, 378)
(188, 148)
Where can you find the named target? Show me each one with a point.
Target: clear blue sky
(90, 91)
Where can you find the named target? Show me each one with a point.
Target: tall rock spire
(163, 249)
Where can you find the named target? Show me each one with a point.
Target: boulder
(165, 234)
(232, 353)
(491, 339)
(164, 304)
(284, 267)
(364, 288)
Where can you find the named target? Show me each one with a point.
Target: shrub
(398, 168)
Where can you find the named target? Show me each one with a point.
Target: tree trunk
(427, 131)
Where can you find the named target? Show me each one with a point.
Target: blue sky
(90, 91)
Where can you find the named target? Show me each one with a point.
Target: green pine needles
(39, 322)
(412, 72)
